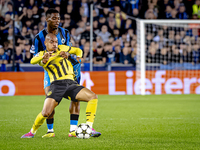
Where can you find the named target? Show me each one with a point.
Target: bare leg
(48, 107)
(46, 92)
(86, 95)
(90, 97)
(74, 108)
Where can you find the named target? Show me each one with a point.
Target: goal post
(140, 67)
(168, 56)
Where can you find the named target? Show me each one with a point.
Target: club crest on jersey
(63, 41)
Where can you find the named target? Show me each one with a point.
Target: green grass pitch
(126, 122)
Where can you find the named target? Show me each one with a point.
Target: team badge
(63, 41)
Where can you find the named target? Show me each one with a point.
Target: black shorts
(64, 88)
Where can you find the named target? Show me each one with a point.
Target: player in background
(53, 20)
(61, 75)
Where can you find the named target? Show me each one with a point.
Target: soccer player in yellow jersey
(61, 75)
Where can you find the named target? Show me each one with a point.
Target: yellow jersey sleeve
(64, 48)
(72, 50)
(37, 58)
(76, 51)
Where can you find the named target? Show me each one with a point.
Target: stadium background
(115, 33)
(126, 120)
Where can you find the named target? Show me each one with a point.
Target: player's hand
(44, 61)
(64, 54)
(46, 55)
(78, 59)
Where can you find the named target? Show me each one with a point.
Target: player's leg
(74, 110)
(90, 97)
(48, 107)
(50, 119)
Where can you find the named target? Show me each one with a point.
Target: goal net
(168, 57)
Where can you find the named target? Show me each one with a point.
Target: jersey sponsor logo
(63, 41)
(32, 50)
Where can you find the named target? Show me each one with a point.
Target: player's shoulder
(63, 47)
(63, 30)
(41, 33)
(75, 48)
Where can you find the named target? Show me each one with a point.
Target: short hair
(111, 37)
(99, 46)
(50, 11)
(107, 43)
(17, 44)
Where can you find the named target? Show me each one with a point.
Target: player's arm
(76, 51)
(37, 58)
(41, 58)
(71, 50)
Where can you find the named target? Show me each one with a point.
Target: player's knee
(52, 114)
(93, 96)
(46, 113)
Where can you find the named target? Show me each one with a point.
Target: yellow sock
(38, 122)
(91, 111)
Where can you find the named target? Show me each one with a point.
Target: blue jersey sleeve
(38, 43)
(34, 47)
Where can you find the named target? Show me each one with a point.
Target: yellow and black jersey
(58, 68)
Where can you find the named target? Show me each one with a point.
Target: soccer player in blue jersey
(53, 20)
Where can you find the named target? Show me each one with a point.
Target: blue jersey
(63, 39)
(38, 43)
